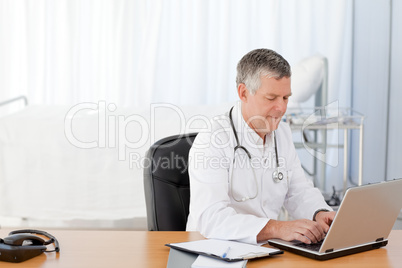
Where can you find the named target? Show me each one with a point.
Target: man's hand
(324, 219)
(306, 231)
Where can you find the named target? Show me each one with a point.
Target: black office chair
(166, 183)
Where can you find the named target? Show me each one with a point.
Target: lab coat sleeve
(302, 199)
(210, 210)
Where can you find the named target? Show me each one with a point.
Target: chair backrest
(166, 183)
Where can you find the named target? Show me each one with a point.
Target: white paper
(219, 247)
(204, 261)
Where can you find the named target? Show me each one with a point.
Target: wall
(394, 154)
(376, 90)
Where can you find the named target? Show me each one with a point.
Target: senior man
(246, 168)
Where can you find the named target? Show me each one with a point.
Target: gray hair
(261, 62)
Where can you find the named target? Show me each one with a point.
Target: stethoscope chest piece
(277, 176)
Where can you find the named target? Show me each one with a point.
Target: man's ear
(243, 92)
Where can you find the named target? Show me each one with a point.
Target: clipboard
(229, 251)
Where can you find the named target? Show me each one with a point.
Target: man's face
(264, 110)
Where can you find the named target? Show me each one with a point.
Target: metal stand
(328, 119)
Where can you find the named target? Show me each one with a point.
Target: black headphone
(21, 245)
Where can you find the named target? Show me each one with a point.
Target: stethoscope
(277, 175)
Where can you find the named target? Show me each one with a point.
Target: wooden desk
(146, 249)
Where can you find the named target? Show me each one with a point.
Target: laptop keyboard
(313, 247)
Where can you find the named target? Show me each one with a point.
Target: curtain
(136, 52)
(133, 53)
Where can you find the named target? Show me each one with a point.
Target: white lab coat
(216, 182)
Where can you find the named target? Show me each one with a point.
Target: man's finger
(316, 231)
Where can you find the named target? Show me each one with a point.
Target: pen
(226, 253)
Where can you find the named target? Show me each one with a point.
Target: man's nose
(281, 105)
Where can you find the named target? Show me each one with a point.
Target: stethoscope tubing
(277, 176)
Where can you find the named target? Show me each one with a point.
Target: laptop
(363, 222)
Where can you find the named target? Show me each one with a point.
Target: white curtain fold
(133, 53)
(136, 52)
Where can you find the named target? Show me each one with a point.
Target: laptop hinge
(379, 239)
(329, 250)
